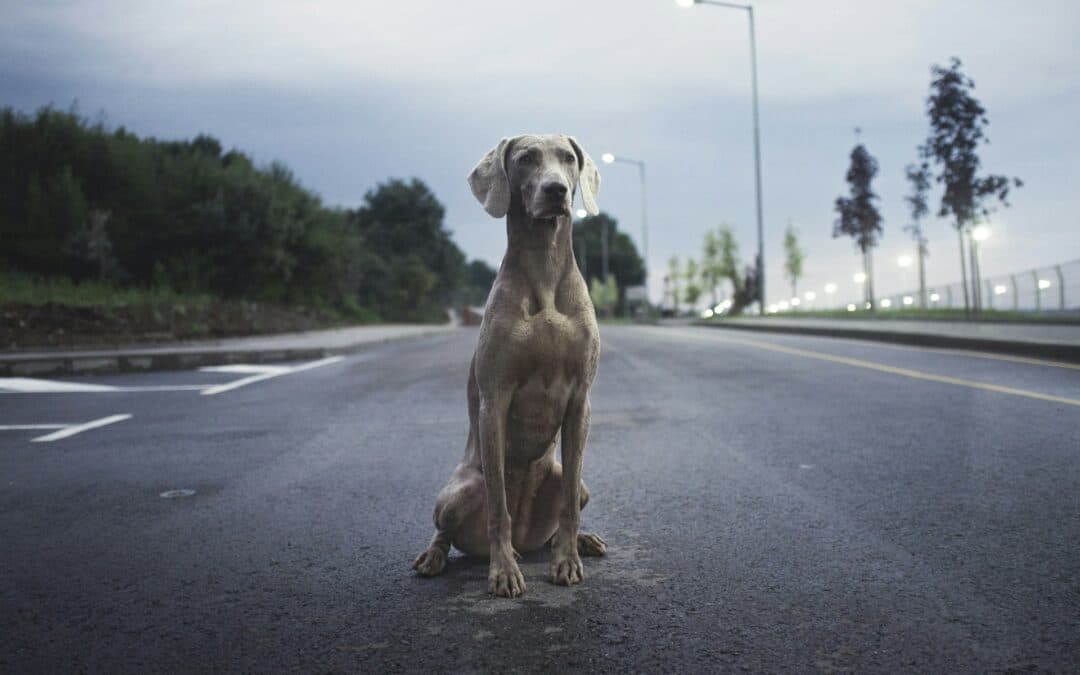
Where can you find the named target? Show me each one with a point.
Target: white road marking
(267, 373)
(23, 427)
(69, 430)
(26, 385)
(257, 373)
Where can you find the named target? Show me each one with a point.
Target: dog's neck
(543, 249)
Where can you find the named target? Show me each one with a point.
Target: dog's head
(538, 174)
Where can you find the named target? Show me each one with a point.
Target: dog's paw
(505, 579)
(591, 544)
(430, 562)
(566, 568)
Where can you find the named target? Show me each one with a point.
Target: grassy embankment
(59, 312)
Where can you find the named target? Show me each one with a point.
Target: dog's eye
(568, 158)
(527, 158)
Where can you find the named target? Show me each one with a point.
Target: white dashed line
(261, 373)
(62, 431)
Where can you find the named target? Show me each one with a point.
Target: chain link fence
(1051, 289)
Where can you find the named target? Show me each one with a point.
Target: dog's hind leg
(457, 506)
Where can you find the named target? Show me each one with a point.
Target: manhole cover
(177, 494)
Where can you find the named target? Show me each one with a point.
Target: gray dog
(530, 376)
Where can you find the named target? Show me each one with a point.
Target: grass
(23, 289)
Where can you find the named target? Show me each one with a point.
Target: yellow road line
(977, 355)
(904, 372)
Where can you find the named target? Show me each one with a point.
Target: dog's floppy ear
(489, 182)
(590, 178)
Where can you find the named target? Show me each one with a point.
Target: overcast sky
(349, 94)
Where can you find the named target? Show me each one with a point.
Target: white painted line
(243, 368)
(104, 389)
(23, 427)
(277, 371)
(69, 431)
(26, 385)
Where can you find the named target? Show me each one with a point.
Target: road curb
(145, 359)
(1050, 350)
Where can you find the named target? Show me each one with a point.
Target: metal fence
(1046, 289)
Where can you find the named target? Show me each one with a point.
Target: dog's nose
(555, 189)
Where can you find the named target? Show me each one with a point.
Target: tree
(692, 292)
(744, 282)
(673, 281)
(957, 124)
(710, 264)
(604, 295)
(858, 215)
(793, 258)
(919, 177)
(624, 262)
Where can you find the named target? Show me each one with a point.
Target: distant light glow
(810, 295)
(980, 233)
(868, 304)
(904, 261)
(685, 4)
(908, 300)
(607, 158)
(830, 288)
(886, 303)
(934, 297)
(1000, 289)
(795, 302)
(1044, 284)
(707, 314)
(581, 213)
(859, 277)
(783, 306)
(771, 309)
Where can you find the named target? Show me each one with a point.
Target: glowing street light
(980, 233)
(904, 261)
(860, 278)
(795, 302)
(685, 4)
(581, 213)
(609, 158)
(1000, 289)
(830, 288)
(851, 307)
(1044, 284)
(908, 300)
(886, 303)
(934, 297)
(810, 295)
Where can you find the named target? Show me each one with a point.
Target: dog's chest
(557, 346)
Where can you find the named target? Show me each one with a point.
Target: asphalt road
(771, 503)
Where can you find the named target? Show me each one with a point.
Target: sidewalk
(1025, 339)
(186, 355)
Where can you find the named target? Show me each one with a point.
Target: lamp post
(757, 136)
(609, 158)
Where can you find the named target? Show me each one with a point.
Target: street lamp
(608, 158)
(904, 261)
(757, 136)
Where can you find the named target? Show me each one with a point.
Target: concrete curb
(179, 357)
(1049, 350)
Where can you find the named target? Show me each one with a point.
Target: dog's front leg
(566, 568)
(504, 577)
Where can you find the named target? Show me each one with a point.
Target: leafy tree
(919, 178)
(624, 262)
(674, 279)
(710, 264)
(604, 294)
(744, 281)
(858, 215)
(793, 258)
(957, 127)
(692, 290)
